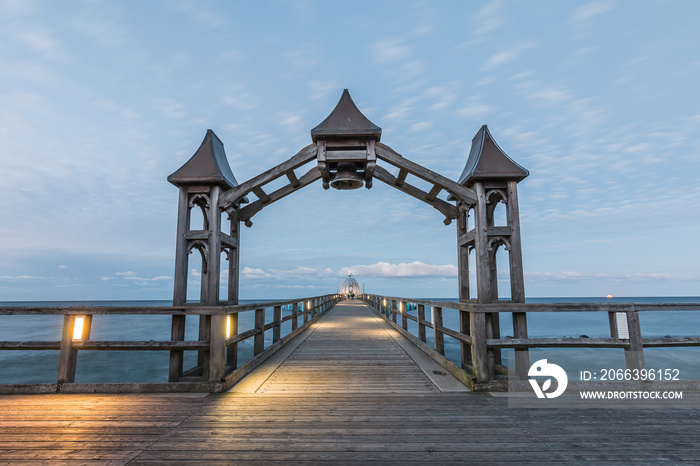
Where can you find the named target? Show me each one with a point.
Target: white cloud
(476, 110)
(20, 277)
(499, 59)
(590, 10)
(489, 17)
(254, 274)
(390, 50)
(40, 40)
(612, 277)
(402, 270)
(550, 96)
(170, 108)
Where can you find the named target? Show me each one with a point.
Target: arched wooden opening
(348, 153)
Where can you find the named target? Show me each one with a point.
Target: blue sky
(101, 101)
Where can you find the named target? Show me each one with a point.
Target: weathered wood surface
(436, 428)
(348, 353)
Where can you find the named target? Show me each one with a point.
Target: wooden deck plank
(348, 353)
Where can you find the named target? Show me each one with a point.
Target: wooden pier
(348, 389)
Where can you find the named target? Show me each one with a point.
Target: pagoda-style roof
(346, 121)
(208, 165)
(487, 161)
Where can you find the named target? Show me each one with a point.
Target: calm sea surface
(139, 366)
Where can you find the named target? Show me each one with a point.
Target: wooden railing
(480, 341)
(217, 367)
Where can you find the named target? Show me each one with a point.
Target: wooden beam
(432, 195)
(304, 156)
(227, 240)
(197, 235)
(292, 177)
(401, 178)
(388, 154)
(466, 238)
(248, 211)
(258, 191)
(499, 231)
(447, 209)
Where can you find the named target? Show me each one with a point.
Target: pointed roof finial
(208, 165)
(346, 121)
(487, 161)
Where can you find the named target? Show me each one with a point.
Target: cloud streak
(402, 270)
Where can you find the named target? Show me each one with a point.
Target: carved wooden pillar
(201, 181)
(494, 177)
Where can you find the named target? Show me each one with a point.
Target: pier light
(228, 326)
(78, 327)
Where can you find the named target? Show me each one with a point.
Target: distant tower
(350, 288)
(494, 177)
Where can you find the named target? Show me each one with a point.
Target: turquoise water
(138, 366)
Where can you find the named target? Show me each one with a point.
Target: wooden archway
(346, 138)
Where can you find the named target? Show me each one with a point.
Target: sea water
(40, 366)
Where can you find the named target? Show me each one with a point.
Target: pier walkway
(349, 389)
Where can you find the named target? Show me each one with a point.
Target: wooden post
(483, 279)
(278, 323)
(305, 311)
(403, 308)
(421, 325)
(217, 348)
(181, 256)
(68, 357)
(177, 333)
(394, 306)
(517, 282)
(479, 349)
(439, 337)
(295, 316)
(204, 332)
(634, 355)
(234, 258)
(259, 339)
(465, 348)
(232, 350)
(463, 254)
(214, 263)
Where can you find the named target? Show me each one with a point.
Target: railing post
(177, 333)
(394, 305)
(522, 357)
(217, 348)
(465, 349)
(232, 350)
(68, 356)
(295, 316)
(634, 355)
(276, 330)
(204, 331)
(259, 339)
(403, 307)
(477, 322)
(439, 338)
(305, 310)
(421, 325)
